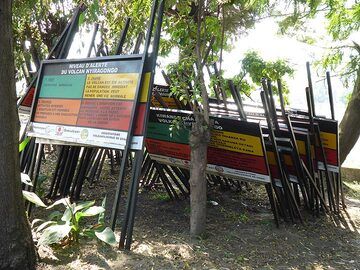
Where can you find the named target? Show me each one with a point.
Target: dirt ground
(240, 234)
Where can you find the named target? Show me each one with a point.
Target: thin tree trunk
(199, 139)
(17, 248)
(350, 124)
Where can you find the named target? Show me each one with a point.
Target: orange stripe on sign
(57, 111)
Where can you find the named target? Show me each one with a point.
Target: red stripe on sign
(107, 114)
(139, 119)
(238, 161)
(331, 156)
(28, 99)
(168, 149)
(275, 173)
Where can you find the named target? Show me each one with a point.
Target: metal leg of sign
(317, 191)
(132, 211)
(36, 173)
(171, 192)
(82, 172)
(79, 169)
(55, 172)
(328, 182)
(65, 172)
(58, 173)
(98, 174)
(270, 193)
(311, 92)
(148, 175)
(177, 183)
(125, 221)
(181, 176)
(289, 195)
(112, 162)
(66, 179)
(28, 156)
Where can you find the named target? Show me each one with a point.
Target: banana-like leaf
(45, 225)
(36, 221)
(83, 205)
(67, 215)
(32, 197)
(54, 215)
(107, 236)
(64, 201)
(101, 219)
(23, 144)
(90, 212)
(26, 179)
(54, 234)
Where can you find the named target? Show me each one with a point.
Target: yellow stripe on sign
(235, 142)
(272, 160)
(111, 86)
(145, 87)
(328, 140)
(301, 147)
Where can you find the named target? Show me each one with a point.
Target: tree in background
(190, 27)
(342, 22)
(17, 248)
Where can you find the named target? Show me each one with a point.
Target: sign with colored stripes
(329, 139)
(89, 102)
(236, 148)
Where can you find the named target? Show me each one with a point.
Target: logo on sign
(59, 130)
(84, 134)
(219, 169)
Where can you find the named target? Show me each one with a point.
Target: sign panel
(329, 139)
(89, 102)
(165, 94)
(235, 150)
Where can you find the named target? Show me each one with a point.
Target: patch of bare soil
(240, 234)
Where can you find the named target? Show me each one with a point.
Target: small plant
(66, 228)
(28, 195)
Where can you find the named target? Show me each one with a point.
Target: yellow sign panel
(301, 147)
(272, 160)
(235, 142)
(328, 140)
(145, 87)
(111, 86)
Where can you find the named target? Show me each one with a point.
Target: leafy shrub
(67, 227)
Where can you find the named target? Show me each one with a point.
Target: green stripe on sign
(162, 132)
(62, 86)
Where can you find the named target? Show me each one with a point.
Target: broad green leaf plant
(67, 227)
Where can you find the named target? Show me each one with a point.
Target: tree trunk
(350, 124)
(17, 248)
(199, 139)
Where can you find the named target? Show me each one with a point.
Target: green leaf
(54, 234)
(23, 144)
(107, 236)
(32, 197)
(54, 214)
(101, 219)
(83, 205)
(45, 225)
(64, 201)
(67, 215)
(26, 179)
(93, 211)
(35, 221)
(81, 19)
